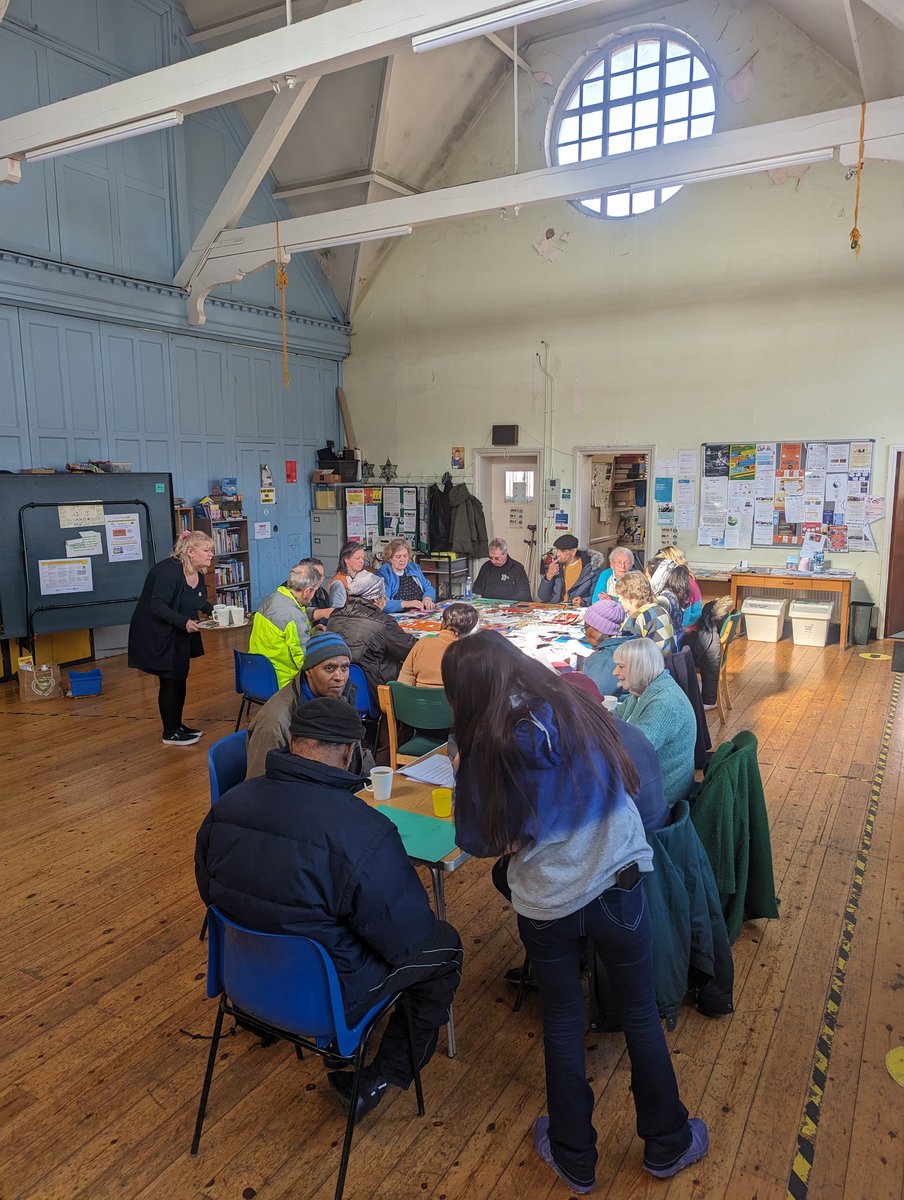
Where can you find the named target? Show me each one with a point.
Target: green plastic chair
(731, 627)
(425, 710)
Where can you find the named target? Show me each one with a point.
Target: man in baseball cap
(571, 574)
(299, 852)
(325, 672)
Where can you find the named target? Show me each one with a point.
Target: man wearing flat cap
(298, 852)
(571, 575)
(325, 672)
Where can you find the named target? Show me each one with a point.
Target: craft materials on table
(551, 635)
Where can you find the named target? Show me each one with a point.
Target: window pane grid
(652, 90)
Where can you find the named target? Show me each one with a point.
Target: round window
(645, 89)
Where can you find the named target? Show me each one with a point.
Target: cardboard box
(324, 477)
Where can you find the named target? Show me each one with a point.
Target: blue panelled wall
(97, 359)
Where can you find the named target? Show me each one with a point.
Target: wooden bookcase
(229, 578)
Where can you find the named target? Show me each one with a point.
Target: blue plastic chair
(286, 987)
(227, 765)
(255, 680)
(364, 703)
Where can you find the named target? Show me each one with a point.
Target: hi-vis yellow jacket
(280, 631)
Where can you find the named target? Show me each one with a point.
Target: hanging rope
(282, 282)
(855, 232)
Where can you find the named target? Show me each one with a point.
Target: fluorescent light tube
(505, 18)
(349, 239)
(103, 137)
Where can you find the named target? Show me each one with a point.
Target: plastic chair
(227, 765)
(286, 987)
(421, 709)
(364, 704)
(731, 627)
(255, 680)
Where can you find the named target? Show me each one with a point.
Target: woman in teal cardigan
(656, 704)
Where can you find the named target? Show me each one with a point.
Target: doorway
(894, 594)
(611, 501)
(509, 486)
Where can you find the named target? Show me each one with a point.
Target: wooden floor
(104, 1014)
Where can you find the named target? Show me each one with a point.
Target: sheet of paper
(861, 456)
(686, 491)
(662, 489)
(261, 530)
(817, 456)
(858, 482)
(409, 523)
(795, 509)
(855, 512)
(665, 466)
(763, 530)
(665, 514)
(88, 542)
(437, 770)
(371, 514)
(687, 516)
(74, 516)
(123, 537)
(687, 462)
(875, 509)
(60, 575)
(714, 499)
(790, 456)
(860, 540)
(742, 461)
(715, 459)
(354, 522)
(392, 502)
(838, 456)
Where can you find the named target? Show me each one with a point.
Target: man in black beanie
(298, 852)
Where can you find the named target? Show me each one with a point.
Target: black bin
(861, 622)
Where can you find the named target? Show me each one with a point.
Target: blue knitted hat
(323, 646)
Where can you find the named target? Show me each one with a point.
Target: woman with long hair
(542, 776)
(164, 633)
(352, 561)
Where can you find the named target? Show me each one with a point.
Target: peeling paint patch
(552, 247)
(781, 174)
(738, 87)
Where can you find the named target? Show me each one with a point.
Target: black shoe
(513, 976)
(373, 1087)
(182, 737)
(195, 733)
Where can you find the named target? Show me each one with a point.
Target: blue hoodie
(572, 851)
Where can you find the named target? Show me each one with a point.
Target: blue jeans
(618, 923)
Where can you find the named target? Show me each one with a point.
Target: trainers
(698, 1147)
(543, 1148)
(182, 737)
(195, 733)
(371, 1092)
(709, 707)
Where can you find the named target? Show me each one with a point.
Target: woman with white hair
(656, 704)
(621, 561)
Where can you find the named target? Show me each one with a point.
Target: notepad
(435, 770)
(427, 838)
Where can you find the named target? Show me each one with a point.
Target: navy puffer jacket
(297, 852)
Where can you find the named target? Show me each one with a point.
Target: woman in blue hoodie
(542, 776)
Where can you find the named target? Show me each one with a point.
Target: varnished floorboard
(103, 1014)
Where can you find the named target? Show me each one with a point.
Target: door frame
(489, 455)
(580, 520)
(894, 450)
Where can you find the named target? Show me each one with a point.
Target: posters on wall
(788, 494)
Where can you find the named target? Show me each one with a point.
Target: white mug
(221, 614)
(380, 782)
(236, 615)
(610, 702)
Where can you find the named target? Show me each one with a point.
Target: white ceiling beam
(377, 157)
(878, 50)
(740, 151)
(283, 112)
(889, 149)
(507, 51)
(330, 42)
(330, 183)
(891, 10)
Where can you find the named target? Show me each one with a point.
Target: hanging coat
(468, 533)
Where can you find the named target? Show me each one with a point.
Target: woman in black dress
(163, 634)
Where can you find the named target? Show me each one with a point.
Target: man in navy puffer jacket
(298, 852)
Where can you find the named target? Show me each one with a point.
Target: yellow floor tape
(894, 1060)
(880, 657)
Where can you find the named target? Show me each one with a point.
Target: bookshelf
(229, 578)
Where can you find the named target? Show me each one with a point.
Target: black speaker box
(505, 435)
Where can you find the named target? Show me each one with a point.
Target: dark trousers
(618, 923)
(707, 651)
(171, 701)
(430, 981)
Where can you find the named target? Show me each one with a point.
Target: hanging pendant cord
(282, 282)
(855, 232)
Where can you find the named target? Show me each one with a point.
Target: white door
(510, 488)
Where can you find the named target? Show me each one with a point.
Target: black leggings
(171, 701)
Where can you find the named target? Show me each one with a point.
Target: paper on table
(436, 770)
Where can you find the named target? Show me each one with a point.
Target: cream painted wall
(736, 311)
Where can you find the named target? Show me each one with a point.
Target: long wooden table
(793, 581)
(417, 797)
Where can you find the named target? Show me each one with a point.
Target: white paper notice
(88, 542)
(74, 516)
(795, 509)
(714, 500)
(371, 514)
(686, 492)
(123, 537)
(838, 454)
(855, 512)
(687, 462)
(392, 502)
(261, 530)
(59, 575)
(861, 457)
(410, 497)
(836, 488)
(687, 516)
(666, 467)
(409, 522)
(354, 522)
(817, 456)
(763, 525)
(875, 509)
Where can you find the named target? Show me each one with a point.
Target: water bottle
(468, 587)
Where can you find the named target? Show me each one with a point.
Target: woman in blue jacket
(542, 776)
(407, 586)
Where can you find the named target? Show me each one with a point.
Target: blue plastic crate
(86, 683)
